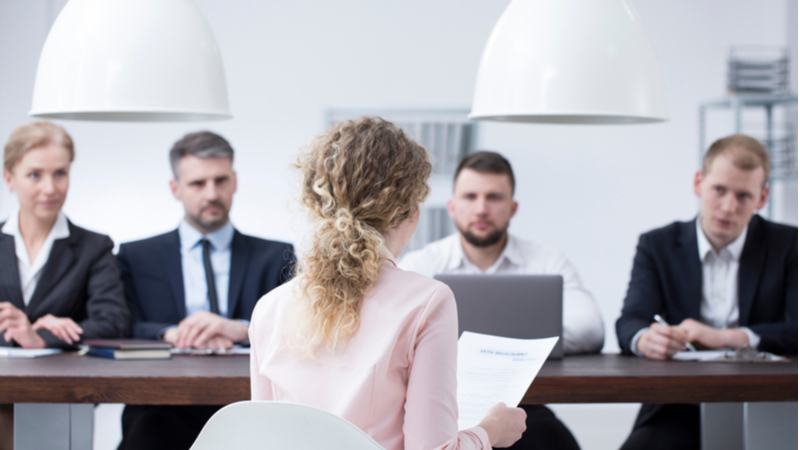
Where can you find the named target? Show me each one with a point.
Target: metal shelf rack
(786, 167)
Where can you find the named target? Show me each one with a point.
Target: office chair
(278, 425)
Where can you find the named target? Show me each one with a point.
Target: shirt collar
(60, 228)
(511, 252)
(190, 236)
(737, 245)
(704, 246)
(11, 227)
(457, 257)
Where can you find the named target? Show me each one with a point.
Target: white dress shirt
(719, 306)
(30, 272)
(195, 287)
(583, 324)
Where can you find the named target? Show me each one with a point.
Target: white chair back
(277, 425)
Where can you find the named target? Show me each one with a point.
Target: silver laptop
(516, 306)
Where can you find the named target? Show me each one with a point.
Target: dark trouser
(147, 427)
(6, 426)
(544, 431)
(665, 427)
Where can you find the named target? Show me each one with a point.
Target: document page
(726, 356)
(236, 350)
(495, 369)
(27, 352)
(701, 355)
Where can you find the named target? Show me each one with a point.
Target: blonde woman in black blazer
(58, 283)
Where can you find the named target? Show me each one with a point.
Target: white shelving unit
(782, 150)
(448, 135)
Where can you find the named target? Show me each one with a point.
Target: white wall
(586, 190)
(592, 190)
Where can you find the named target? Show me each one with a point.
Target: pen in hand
(661, 320)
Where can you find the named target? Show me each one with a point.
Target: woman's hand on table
(63, 328)
(14, 325)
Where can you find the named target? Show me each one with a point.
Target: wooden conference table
(74, 382)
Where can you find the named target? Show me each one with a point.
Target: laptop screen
(515, 306)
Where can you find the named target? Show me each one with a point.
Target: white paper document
(701, 355)
(495, 369)
(236, 350)
(725, 356)
(27, 352)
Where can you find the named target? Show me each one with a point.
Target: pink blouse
(396, 376)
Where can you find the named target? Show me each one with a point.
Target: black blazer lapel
(171, 250)
(240, 259)
(691, 293)
(10, 289)
(751, 264)
(60, 261)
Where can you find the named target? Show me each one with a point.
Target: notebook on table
(128, 348)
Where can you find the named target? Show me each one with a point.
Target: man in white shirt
(482, 207)
(726, 279)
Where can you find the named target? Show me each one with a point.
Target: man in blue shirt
(195, 287)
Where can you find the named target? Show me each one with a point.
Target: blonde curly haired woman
(353, 334)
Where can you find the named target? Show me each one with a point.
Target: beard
(490, 239)
(208, 223)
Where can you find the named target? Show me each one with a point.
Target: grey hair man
(195, 287)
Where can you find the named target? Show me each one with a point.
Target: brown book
(128, 348)
(129, 354)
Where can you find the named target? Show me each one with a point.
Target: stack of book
(128, 348)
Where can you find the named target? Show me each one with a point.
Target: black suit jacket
(80, 280)
(667, 279)
(153, 278)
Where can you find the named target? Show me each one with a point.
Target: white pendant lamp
(130, 60)
(569, 61)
